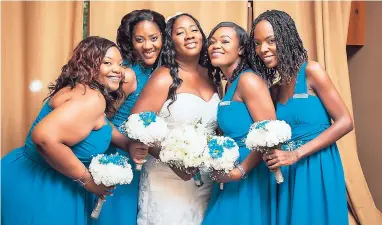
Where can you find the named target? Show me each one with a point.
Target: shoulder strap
(126, 63)
(300, 87)
(232, 88)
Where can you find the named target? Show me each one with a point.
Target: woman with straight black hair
(245, 199)
(140, 38)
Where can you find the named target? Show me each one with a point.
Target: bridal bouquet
(184, 146)
(109, 170)
(221, 154)
(146, 127)
(266, 135)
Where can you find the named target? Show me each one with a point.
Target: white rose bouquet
(184, 146)
(266, 135)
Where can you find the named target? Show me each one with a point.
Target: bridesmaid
(314, 189)
(245, 198)
(140, 38)
(47, 181)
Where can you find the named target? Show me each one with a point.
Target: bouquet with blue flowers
(221, 154)
(266, 135)
(109, 170)
(146, 127)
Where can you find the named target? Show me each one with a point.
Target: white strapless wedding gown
(164, 198)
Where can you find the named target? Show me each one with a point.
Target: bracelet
(294, 156)
(242, 171)
(296, 153)
(81, 180)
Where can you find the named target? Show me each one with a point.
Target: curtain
(37, 38)
(208, 13)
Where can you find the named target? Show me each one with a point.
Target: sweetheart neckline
(191, 94)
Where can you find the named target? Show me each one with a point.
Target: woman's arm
(320, 82)
(256, 96)
(253, 91)
(122, 142)
(65, 126)
(342, 121)
(155, 92)
(119, 140)
(152, 98)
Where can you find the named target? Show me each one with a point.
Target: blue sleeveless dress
(313, 191)
(122, 207)
(246, 201)
(35, 193)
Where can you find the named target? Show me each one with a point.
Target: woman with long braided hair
(181, 91)
(313, 191)
(246, 189)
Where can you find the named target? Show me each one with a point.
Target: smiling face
(147, 42)
(224, 47)
(265, 42)
(111, 70)
(186, 37)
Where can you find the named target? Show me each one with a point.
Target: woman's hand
(233, 175)
(99, 189)
(155, 151)
(138, 152)
(278, 158)
(185, 174)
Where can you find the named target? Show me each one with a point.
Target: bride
(182, 92)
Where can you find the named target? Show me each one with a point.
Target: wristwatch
(243, 173)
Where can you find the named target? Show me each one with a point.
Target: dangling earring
(276, 79)
(222, 75)
(241, 51)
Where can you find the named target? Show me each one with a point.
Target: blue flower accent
(215, 150)
(292, 145)
(261, 124)
(228, 143)
(148, 118)
(115, 159)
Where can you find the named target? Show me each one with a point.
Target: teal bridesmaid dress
(35, 193)
(247, 201)
(122, 207)
(314, 189)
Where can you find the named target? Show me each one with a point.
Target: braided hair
(168, 55)
(291, 53)
(243, 41)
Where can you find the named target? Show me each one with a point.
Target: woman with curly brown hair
(47, 181)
